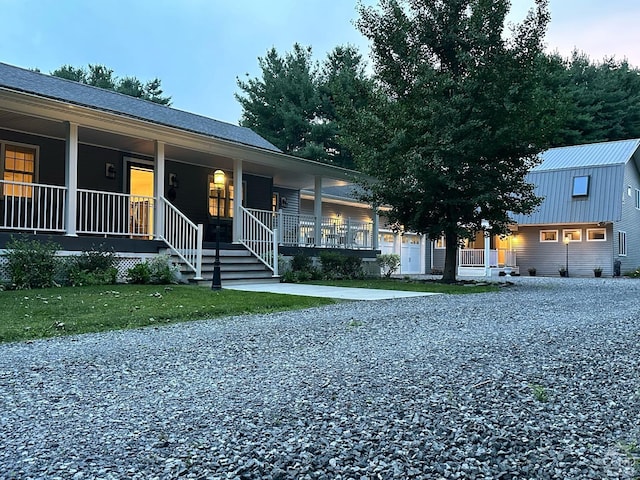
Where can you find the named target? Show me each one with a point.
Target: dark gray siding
(629, 221)
(548, 257)
(292, 203)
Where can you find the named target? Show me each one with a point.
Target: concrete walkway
(342, 293)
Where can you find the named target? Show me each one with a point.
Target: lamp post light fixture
(218, 183)
(566, 241)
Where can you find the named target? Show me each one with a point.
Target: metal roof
(35, 83)
(589, 155)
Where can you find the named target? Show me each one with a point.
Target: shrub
(92, 267)
(301, 262)
(634, 273)
(389, 263)
(158, 270)
(31, 263)
(139, 274)
(338, 266)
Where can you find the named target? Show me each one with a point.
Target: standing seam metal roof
(589, 155)
(19, 79)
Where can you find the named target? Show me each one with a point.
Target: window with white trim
(622, 244)
(637, 199)
(573, 234)
(19, 165)
(596, 234)
(548, 235)
(581, 186)
(440, 242)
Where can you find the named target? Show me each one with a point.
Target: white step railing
(183, 237)
(111, 213)
(32, 206)
(474, 257)
(259, 238)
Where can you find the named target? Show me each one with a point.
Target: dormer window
(580, 186)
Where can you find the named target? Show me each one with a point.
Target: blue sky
(198, 47)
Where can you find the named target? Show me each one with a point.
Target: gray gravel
(431, 387)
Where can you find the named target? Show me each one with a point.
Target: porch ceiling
(286, 171)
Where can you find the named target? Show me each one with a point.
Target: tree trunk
(450, 258)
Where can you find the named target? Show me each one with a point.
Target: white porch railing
(110, 213)
(32, 206)
(260, 236)
(468, 257)
(183, 237)
(300, 230)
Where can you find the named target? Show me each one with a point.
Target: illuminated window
(548, 235)
(574, 235)
(19, 167)
(226, 197)
(581, 186)
(275, 201)
(596, 235)
(440, 242)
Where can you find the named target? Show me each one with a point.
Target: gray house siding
(333, 210)
(289, 200)
(548, 257)
(629, 221)
(438, 258)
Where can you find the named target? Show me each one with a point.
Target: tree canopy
(459, 115)
(103, 77)
(294, 103)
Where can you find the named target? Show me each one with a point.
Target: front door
(410, 255)
(141, 202)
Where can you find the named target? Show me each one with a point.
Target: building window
(19, 164)
(581, 186)
(226, 199)
(548, 235)
(622, 244)
(596, 234)
(574, 235)
(439, 242)
(637, 199)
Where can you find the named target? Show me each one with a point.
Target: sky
(198, 48)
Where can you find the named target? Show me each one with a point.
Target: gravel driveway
(540, 380)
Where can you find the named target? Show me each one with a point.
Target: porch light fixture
(566, 241)
(110, 170)
(219, 182)
(173, 180)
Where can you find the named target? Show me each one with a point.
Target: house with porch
(589, 218)
(87, 166)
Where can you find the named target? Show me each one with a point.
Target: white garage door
(410, 254)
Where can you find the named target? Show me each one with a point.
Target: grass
(52, 312)
(411, 285)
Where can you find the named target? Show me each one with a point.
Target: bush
(301, 262)
(389, 263)
(337, 266)
(31, 263)
(92, 267)
(159, 271)
(634, 273)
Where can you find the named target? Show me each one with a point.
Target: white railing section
(473, 257)
(183, 237)
(299, 230)
(32, 206)
(258, 238)
(110, 213)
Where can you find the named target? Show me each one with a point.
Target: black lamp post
(566, 267)
(218, 182)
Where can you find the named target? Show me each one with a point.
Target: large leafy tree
(296, 103)
(103, 77)
(460, 115)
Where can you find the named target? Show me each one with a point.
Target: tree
(459, 116)
(297, 104)
(102, 77)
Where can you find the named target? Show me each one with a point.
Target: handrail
(259, 239)
(183, 237)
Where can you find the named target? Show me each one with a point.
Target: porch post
(487, 249)
(158, 190)
(317, 211)
(71, 179)
(375, 244)
(237, 201)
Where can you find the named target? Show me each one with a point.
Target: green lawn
(31, 314)
(411, 285)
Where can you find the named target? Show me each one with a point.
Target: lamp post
(219, 183)
(566, 267)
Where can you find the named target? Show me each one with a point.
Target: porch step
(236, 266)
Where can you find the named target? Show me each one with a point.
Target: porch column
(158, 190)
(317, 211)
(71, 179)
(487, 249)
(237, 201)
(376, 227)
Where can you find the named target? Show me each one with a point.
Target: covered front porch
(496, 256)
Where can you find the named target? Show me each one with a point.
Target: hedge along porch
(82, 161)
